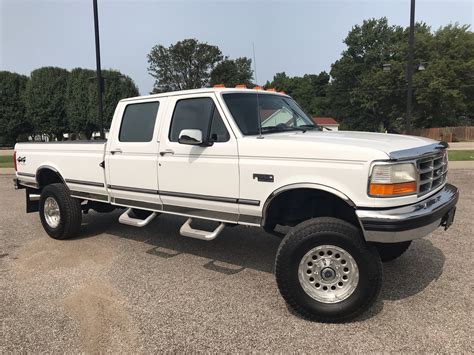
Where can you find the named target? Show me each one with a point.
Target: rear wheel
(391, 251)
(60, 214)
(326, 272)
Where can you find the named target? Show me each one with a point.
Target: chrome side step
(187, 231)
(135, 222)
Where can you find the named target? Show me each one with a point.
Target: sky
(297, 37)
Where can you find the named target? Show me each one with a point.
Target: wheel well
(47, 176)
(297, 205)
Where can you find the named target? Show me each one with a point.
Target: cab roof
(204, 90)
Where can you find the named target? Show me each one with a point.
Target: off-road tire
(69, 210)
(327, 231)
(391, 251)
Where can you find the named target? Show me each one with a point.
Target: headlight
(391, 180)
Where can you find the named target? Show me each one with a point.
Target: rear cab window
(138, 122)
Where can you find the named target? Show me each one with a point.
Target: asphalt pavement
(118, 288)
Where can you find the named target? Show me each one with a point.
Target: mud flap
(32, 200)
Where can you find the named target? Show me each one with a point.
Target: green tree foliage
(81, 102)
(231, 72)
(444, 92)
(186, 64)
(13, 122)
(45, 96)
(364, 96)
(117, 86)
(309, 90)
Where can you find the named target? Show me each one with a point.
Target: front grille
(432, 172)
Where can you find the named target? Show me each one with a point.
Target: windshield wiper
(280, 128)
(309, 127)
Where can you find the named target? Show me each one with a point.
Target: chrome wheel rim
(328, 274)
(51, 212)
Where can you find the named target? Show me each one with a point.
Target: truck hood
(349, 145)
(382, 141)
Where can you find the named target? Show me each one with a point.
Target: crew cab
(347, 201)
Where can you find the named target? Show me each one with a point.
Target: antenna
(259, 121)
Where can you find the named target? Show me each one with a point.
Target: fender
(304, 185)
(48, 167)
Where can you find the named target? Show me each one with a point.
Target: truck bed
(77, 162)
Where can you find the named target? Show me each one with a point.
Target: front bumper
(410, 222)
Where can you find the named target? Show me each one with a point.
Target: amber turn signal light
(403, 188)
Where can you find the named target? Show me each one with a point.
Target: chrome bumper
(410, 222)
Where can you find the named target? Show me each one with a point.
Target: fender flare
(48, 167)
(304, 185)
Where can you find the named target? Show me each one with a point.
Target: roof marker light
(241, 86)
(219, 86)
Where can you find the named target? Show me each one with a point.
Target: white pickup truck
(349, 200)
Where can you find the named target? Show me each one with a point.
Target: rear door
(199, 180)
(132, 155)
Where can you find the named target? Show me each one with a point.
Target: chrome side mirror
(190, 136)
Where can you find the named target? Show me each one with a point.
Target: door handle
(117, 150)
(167, 151)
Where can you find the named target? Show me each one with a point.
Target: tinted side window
(138, 122)
(196, 114)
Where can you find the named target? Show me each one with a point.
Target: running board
(187, 231)
(135, 222)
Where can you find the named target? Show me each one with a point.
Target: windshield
(275, 113)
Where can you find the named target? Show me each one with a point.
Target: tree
(309, 90)
(368, 87)
(81, 102)
(362, 95)
(186, 64)
(231, 72)
(45, 95)
(444, 91)
(13, 121)
(117, 87)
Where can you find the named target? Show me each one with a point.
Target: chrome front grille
(432, 172)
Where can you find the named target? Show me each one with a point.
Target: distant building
(327, 122)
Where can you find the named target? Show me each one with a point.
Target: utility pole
(100, 81)
(411, 41)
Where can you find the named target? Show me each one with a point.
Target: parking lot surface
(120, 288)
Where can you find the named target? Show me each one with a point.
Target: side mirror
(190, 136)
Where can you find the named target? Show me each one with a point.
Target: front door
(199, 180)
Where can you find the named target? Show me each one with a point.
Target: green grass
(455, 155)
(6, 161)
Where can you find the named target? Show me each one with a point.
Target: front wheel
(326, 272)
